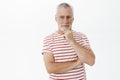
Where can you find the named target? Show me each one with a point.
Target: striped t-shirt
(63, 52)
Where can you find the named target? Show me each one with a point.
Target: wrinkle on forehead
(64, 11)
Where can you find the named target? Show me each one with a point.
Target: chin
(64, 29)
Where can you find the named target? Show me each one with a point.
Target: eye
(68, 17)
(61, 17)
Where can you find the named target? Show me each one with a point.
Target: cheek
(71, 21)
(60, 22)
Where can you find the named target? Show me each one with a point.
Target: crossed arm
(85, 55)
(58, 67)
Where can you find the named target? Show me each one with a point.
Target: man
(66, 51)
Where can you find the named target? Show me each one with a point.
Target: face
(64, 18)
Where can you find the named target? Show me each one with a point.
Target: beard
(64, 28)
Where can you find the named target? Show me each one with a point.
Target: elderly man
(66, 51)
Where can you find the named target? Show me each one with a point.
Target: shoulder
(83, 39)
(80, 34)
(49, 37)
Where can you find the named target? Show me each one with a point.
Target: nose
(66, 20)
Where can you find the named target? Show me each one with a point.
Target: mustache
(65, 25)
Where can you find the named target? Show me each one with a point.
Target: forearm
(60, 67)
(85, 54)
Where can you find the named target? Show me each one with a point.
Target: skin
(64, 18)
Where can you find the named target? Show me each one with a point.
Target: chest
(62, 50)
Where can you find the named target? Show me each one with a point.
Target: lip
(65, 25)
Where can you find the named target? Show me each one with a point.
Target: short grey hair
(64, 5)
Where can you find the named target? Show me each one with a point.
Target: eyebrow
(62, 16)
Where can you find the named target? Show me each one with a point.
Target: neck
(60, 32)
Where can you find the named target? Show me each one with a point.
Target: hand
(79, 61)
(69, 35)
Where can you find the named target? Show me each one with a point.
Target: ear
(55, 18)
(72, 19)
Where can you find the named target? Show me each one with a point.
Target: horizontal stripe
(63, 52)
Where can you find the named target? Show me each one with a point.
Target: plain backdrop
(25, 23)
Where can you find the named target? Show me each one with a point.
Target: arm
(58, 67)
(85, 54)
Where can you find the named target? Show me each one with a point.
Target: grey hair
(65, 5)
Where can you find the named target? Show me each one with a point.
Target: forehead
(64, 11)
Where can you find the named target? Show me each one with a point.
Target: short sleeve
(46, 46)
(84, 40)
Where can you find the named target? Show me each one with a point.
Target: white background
(24, 24)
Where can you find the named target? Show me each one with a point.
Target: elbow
(50, 71)
(55, 72)
(92, 61)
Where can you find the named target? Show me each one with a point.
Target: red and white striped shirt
(63, 52)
